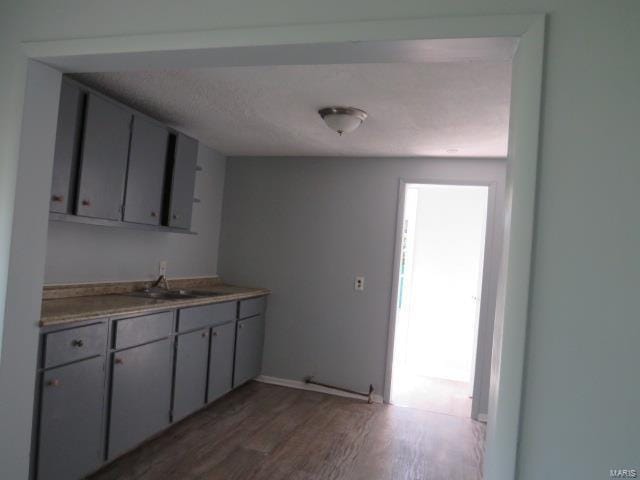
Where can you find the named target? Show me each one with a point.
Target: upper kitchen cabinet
(146, 172)
(65, 159)
(116, 167)
(103, 166)
(183, 177)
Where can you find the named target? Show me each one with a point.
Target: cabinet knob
(153, 214)
(204, 334)
(86, 203)
(175, 217)
(77, 343)
(53, 383)
(57, 198)
(240, 326)
(215, 334)
(118, 361)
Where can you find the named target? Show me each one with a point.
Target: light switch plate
(358, 284)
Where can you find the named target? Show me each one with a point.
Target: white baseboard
(483, 417)
(300, 385)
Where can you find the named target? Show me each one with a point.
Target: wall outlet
(162, 267)
(358, 285)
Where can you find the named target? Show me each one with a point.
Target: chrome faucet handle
(161, 280)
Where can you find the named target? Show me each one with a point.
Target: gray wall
(305, 227)
(87, 253)
(20, 342)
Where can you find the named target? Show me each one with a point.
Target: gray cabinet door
(70, 430)
(140, 394)
(65, 157)
(249, 344)
(223, 339)
(189, 391)
(103, 162)
(145, 177)
(183, 177)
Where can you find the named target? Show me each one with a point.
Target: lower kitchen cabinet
(140, 394)
(190, 387)
(71, 412)
(223, 339)
(249, 344)
(108, 385)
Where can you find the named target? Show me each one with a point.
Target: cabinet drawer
(138, 330)
(252, 307)
(74, 344)
(206, 316)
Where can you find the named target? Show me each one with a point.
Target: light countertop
(72, 309)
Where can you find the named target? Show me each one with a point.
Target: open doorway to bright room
(439, 294)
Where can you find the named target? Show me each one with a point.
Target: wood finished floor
(433, 394)
(268, 432)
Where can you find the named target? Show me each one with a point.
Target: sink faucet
(161, 280)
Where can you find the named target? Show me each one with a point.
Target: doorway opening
(216, 47)
(439, 292)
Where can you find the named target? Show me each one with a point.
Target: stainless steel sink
(162, 294)
(201, 293)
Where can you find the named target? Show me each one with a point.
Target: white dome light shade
(342, 119)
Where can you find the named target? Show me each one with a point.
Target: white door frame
(397, 257)
(311, 44)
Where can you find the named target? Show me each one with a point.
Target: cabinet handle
(118, 361)
(77, 343)
(53, 383)
(57, 198)
(153, 214)
(86, 203)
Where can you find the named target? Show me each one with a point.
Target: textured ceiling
(415, 109)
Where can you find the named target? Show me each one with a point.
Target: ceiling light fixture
(342, 119)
